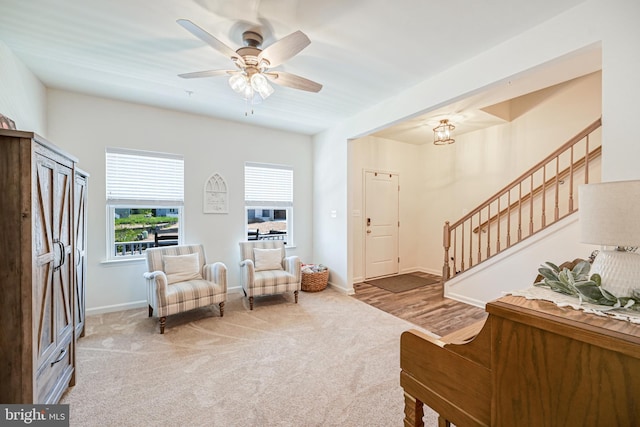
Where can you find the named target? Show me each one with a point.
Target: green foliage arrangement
(577, 282)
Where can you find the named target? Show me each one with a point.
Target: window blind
(144, 178)
(268, 185)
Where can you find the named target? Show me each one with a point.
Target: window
(268, 197)
(145, 199)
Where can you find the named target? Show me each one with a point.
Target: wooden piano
(531, 364)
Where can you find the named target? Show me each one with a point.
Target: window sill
(126, 260)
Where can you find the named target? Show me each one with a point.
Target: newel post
(446, 241)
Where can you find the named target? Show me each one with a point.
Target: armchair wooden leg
(250, 303)
(296, 295)
(413, 411)
(221, 309)
(150, 310)
(163, 320)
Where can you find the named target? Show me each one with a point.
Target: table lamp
(610, 217)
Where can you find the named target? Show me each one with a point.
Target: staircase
(537, 199)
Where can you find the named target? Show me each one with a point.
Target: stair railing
(539, 197)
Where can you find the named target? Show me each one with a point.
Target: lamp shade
(610, 213)
(238, 82)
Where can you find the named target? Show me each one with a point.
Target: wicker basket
(314, 282)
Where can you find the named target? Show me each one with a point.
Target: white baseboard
(361, 279)
(465, 299)
(116, 307)
(342, 290)
(139, 304)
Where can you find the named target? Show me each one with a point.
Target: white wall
(620, 89)
(22, 95)
(378, 154)
(592, 22)
(86, 125)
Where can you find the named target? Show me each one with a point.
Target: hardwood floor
(425, 306)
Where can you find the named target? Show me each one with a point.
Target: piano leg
(413, 411)
(443, 422)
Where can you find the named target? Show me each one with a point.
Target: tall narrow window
(145, 200)
(268, 197)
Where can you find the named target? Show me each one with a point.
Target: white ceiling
(362, 51)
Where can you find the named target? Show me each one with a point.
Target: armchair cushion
(180, 268)
(267, 259)
(188, 294)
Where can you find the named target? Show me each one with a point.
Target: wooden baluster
(530, 205)
(519, 211)
(509, 218)
(470, 242)
(498, 227)
(479, 236)
(571, 182)
(586, 162)
(544, 194)
(556, 209)
(462, 255)
(454, 256)
(489, 230)
(446, 240)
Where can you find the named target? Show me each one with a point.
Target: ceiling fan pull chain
(246, 112)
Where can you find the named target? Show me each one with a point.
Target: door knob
(368, 231)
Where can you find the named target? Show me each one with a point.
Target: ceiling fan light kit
(250, 87)
(443, 133)
(254, 66)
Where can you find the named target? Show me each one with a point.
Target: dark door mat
(402, 282)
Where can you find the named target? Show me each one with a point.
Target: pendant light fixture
(443, 133)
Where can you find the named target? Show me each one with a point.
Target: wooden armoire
(42, 267)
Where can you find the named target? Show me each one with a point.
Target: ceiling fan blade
(285, 48)
(208, 73)
(293, 81)
(210, 40)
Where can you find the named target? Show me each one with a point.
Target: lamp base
(620, 271)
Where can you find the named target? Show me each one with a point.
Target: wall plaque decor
(216, 197)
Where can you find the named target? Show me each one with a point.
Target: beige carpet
(330, 360)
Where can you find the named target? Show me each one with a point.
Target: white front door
(381, 224)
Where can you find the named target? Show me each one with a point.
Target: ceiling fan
(254, 65)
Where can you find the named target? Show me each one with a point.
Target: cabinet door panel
(63, 276)
(80, 219)
(44, 259)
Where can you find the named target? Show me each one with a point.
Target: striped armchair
(266, 270)
(179, 279)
